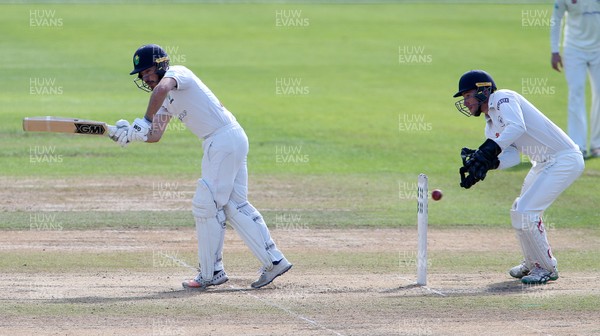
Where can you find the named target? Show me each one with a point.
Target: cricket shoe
(267, 276)
(219, 278)
(519, 271)
(539, 275)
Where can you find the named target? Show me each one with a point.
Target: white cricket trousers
(542, 186)
(224, 166)
(225, 171)
(577, 65)
(547, 180)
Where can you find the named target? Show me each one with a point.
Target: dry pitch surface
(344, 282)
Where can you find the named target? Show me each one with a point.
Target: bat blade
(65, 125)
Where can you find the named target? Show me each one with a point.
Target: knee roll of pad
(203, 203)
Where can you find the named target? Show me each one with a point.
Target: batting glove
(139, 130)
(119, 131)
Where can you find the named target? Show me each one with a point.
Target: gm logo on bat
(89, 128)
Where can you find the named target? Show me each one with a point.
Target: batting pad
(531, 234)
(249, 224)
(209, 230)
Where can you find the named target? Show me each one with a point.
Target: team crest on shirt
(501, 101)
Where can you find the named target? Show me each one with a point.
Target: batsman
(513, 127)
(222, 192)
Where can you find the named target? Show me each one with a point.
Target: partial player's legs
(520, 270)
(251, 227)
(210, 231)
(575, 66)
(594, 70)
(544, 183)
(218, 173)
(249, 224)
(223, 194)
(531, 234)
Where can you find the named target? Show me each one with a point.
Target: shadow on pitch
(173, 294)
(499, 288)
(504, 287)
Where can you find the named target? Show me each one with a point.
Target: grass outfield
(329, 94)
(344, 106)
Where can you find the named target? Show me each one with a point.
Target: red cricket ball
(436, 194)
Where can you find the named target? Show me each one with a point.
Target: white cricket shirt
(194, 103)
(516, 125)
(582, 28)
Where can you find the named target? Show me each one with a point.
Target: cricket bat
(65, 125)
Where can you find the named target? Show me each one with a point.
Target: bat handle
(111, 130)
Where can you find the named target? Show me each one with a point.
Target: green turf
(572, 260)
(359, 113)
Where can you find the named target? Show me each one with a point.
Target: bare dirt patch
(314, 298)
(92, 194)
(344, 281)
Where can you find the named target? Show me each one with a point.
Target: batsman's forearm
(156, 99)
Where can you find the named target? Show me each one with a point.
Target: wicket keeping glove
(476, 163)
(466, 180)
(484, 159)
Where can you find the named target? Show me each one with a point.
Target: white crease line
(179, 262)
(424, 287)
(290, 312)
(534, 329)
(286, 310)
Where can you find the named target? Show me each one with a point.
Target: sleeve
(509, 157)
(512, 116)
(181, 76)
(488, 132)
(556, 25)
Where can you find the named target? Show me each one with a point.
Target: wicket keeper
(514, 126)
